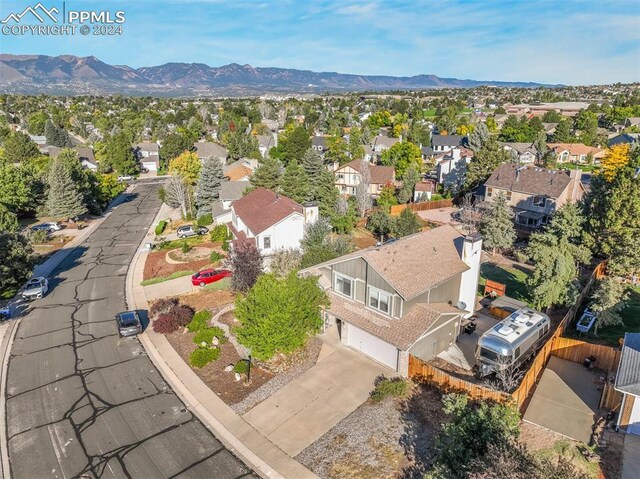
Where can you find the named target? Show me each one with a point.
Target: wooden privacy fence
(423, 206)
(610, 399)
(565, 349)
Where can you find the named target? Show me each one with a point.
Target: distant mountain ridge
(68, 74)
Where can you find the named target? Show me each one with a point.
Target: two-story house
(148, 154)
(379, 143)
(348, 177)
(534, 193)
(230, 191)
(405, 297)
(524, 153)
(266, 142)
(451, 167)
(319, 145)
(440, 143)
(271, 220)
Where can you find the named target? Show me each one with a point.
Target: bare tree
(508, 376)
(285, 260)
(469, 215)
(363, 197)
(176, 195)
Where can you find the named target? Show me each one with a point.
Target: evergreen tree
(478, 137)
(387, 198)
(8, 219)
(119, 155)
(65, 200)
(407, 223)
(322, 188)
(411, 178)
(51, 133)
(267, 175)
(484, 162)
(496, 226)
(609, 298)
(312, 163)
(294, 183)
(563, 132)
(208, 186)
(293, 145)
(173, 145)
(19, 148)
(380, 223)
(17, 262)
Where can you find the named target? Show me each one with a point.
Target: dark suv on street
(128, 323)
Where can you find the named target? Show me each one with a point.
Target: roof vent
(505, 330)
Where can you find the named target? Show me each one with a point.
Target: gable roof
(207, 149)
(575, 148)
(624, 138)
(379, 174)
(520, 147)
(320, 141)
(415, 263)
(447, 140)
(150, 146)
(232, 190)
(531, 180)
(628, 377)
(384, 141)
(263, 208)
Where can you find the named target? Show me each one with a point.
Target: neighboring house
(549, 128)
(240, 170)
(230, 191)
(534, 193)
(628, 383)
(632, 121)
(266, 142)
(405, 297)
(524, 153)
(85, 155)
(319, 145)
(271, 220)
(148, 154)
(441, 143)
(208, 149)
(451, 169)
(576, 152)
(379, 143)
(424, 190)
(629, 138)
(348, 177)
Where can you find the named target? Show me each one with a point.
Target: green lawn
(513, 278)
(223, 284)
(585, 168)
(161, 279)
(430, 113)
(631, 317)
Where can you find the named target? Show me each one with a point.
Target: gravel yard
(393, 438)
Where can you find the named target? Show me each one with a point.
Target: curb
(173, 368)
(4, 446)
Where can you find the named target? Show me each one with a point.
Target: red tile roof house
(405, 297)
(534, 193)
(348, 177)
(271, 220)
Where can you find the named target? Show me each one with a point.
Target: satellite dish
(461, 305)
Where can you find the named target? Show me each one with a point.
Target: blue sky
(563, 41)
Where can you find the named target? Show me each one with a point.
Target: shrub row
(160, 227)
(206, 335)
(169, 315)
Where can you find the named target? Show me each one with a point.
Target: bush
(215, 257)
(161, 306)
(218, 234)
(175, 318)
(206, 335)
(203, 356)
(200, 321)
(205, 220)
(385, 387)
(38, 236)
(225, 246)
(185, 248)
(160, 227)
(241, 367)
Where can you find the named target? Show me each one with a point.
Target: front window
(266, 242)
(344, 285)
(379, 300)
(508, 195)
(490, 355)
(489, 192)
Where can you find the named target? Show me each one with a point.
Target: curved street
(82, 402)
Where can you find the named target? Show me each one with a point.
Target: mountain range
(72, 75)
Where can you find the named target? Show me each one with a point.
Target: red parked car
(207, 276)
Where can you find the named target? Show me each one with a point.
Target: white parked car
(48, 227)
(125, 178)
(35, 288)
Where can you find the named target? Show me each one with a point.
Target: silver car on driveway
(35, 288)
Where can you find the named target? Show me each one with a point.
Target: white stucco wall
(469, 282)
(285, 234)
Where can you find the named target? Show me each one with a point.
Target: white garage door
(634, 420)
(373, 347)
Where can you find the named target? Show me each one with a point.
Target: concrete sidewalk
(302, 411)
(631, 457)
(234, 432)
(173, 287)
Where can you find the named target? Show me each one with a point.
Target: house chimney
(470, 255)
(311, 213)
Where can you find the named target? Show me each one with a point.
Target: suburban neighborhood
(256, 272)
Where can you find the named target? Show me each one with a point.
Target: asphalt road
(82, 402)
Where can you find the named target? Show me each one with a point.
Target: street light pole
(249, 368)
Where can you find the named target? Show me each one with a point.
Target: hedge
(218, 234)
(160, 227)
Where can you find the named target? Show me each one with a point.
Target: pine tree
(322, 188)
(478, 137)
(208, 185)
(294, 183)
(65, 199)
(267, 175)
(407, 223)
(312, 163)
(496, 226)
(51, 133)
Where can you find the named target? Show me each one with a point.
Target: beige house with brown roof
(348, 177)
(534, 193)
(405, 297)
(576, 152)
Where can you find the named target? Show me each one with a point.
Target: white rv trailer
(512, 341)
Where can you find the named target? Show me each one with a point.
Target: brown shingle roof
(237, 172)
(575, 148)
(379, 174)
(401, 332)
(207, 149)
(263, 208)
(531, 180)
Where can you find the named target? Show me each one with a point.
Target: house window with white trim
(344, 285)
(379, 300)
(266, 242)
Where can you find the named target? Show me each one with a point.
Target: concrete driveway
(566, 400)
(631, 458)
(173, 287)
(310, 405)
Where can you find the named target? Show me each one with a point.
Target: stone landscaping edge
(234, 432)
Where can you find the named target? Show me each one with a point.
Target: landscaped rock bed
(393, 438)
(196, 253)
(156, 265)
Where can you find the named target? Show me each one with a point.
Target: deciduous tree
(187, 165)
(18, 260)
(19, 148)
(614, 160)
(484, 162)
(364, 200)
(608, 299)
(401, 156)
(246, 262)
